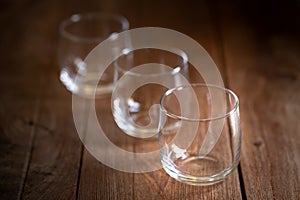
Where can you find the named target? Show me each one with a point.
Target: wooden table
(256, 47)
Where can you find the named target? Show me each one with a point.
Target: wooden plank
(263, 69)
(100, 181)
(16, 135)
(56, 154)
(56, 151)
(197, 22)
(20, 102)
(160, 186)
(28, 55)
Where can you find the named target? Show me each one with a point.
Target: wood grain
(56, 151)
(202, 29)
(41, 144)
(98, 181)
(256, 47)
(20, 103)
(263, 69)
(56, 148)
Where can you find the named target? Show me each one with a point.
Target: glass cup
(142, 76)
(199, 133)
(79, 34)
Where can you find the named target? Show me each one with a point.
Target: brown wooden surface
(256, 47)
(267, 74)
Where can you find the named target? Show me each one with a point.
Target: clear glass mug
(79, 34)
(142, 76)
(199, 133)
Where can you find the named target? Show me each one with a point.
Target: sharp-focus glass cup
(79, 34)
(199, 133)
(142, 77)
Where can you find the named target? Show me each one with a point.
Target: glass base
(134, 130)
(86, 87)
(134, 124)
(196, 170)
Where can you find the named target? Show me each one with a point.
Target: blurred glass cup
(79, 34)
(142, 77)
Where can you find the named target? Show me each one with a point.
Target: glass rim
(87, 16)
(175, 70)
(227, 113)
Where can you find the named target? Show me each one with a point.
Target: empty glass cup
(142, 76)
(199, 133)
(78, 36)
